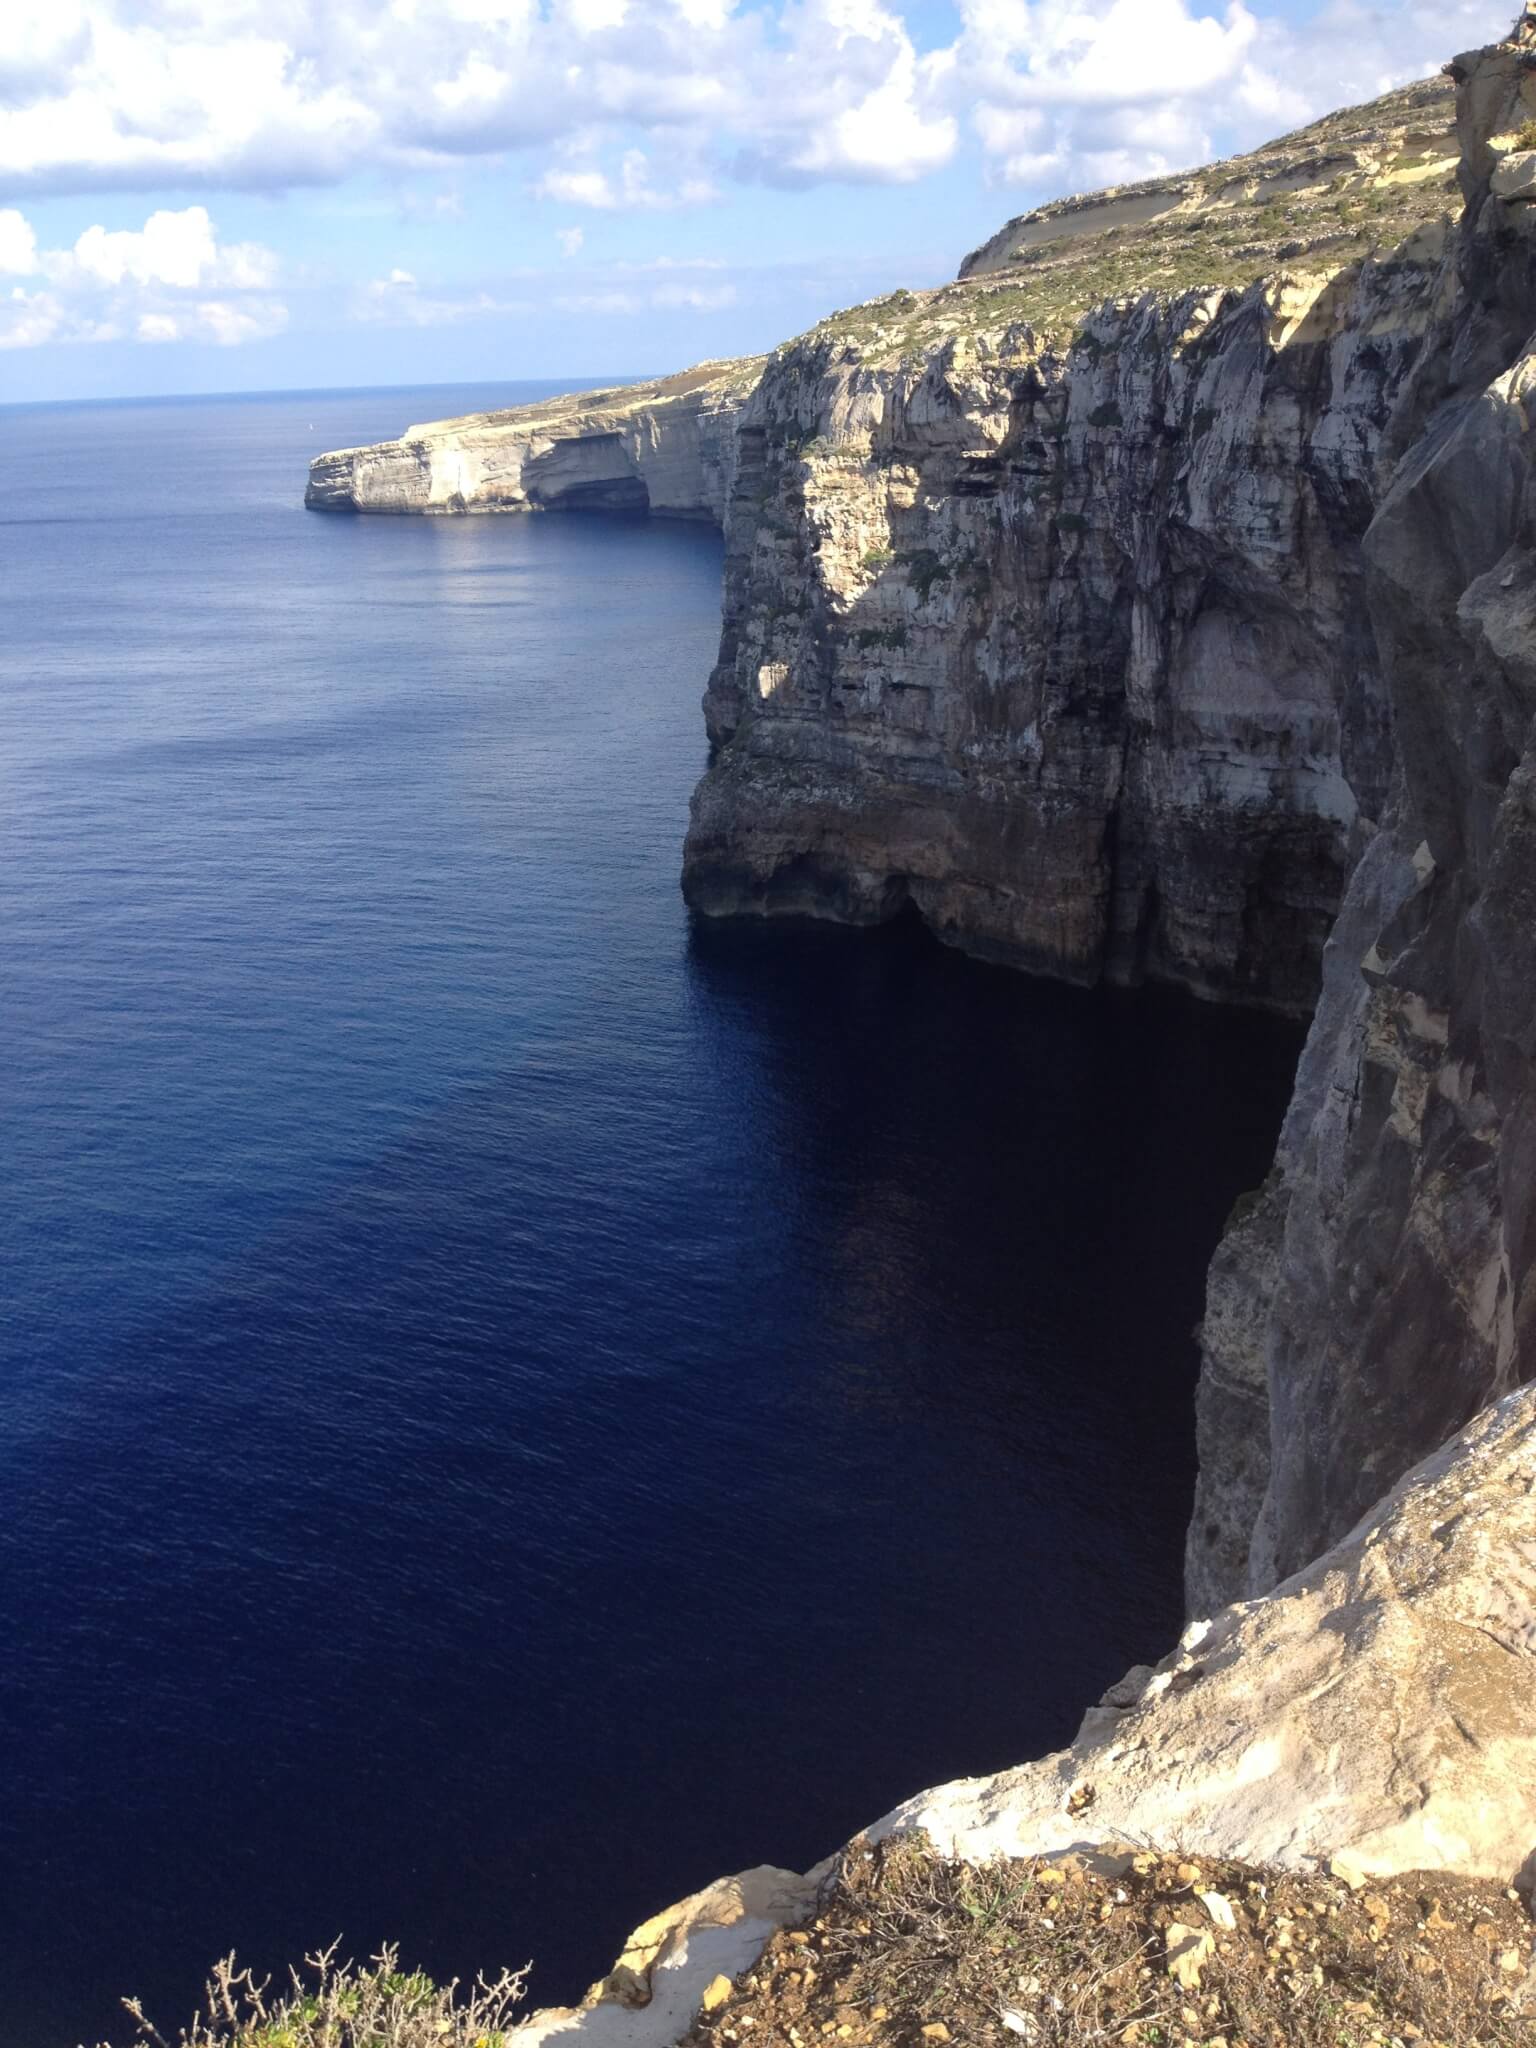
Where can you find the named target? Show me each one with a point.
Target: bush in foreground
(331, 2004)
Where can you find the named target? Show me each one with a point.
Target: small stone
(717, 1992)
(1511, 1961)
(1220, 1910)
(936, 2031)
(1189, 1949)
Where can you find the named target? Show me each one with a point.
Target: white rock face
(1376, 1713)
(1043, 598)
(651, 1996)
(1515, 177)
(666, 447)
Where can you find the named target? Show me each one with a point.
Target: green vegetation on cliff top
(1361, 183)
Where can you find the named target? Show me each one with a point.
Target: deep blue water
(511, 1406)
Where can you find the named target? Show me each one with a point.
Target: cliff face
(666, 447)
(1380, 1291)
(1043, 607)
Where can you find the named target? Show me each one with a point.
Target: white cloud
(172, 249)
(666, 297)
(700, 298)
(629, 190)
(145, 93)
(138, 282)
(642, 105)
(398, 301)
(598, 302)
(570, 240)
(1065, 95)
(18, 244)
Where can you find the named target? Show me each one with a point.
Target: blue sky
(206, 195)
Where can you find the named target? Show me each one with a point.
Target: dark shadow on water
(490, 1578)
(508, 1408)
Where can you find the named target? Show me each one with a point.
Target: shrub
(924, 568)
(876, 558)
(345, 2005)
(1526, 139)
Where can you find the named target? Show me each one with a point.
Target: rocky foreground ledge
(665, 447)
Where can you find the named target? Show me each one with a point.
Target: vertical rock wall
(1064, 642)
(1379, 1292)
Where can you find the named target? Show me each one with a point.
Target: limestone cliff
(666, 447)
(1043, 606)
(1381, 1288)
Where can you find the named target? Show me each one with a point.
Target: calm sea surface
(511, 1406)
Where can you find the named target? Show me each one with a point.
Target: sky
(238, 195)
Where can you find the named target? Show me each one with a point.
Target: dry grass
(331, 2004)
(911, 1951)
(1341, 214)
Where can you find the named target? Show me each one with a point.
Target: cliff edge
(666, 447)
(1043, 599)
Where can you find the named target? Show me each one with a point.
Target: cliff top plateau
(1355, 184)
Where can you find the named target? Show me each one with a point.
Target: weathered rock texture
(1380, 1291)
(651, 1996)
(1043, 605)
(1376, 1713)
(666, 448)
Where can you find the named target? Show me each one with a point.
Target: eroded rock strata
(667, 448)
(1380, 1289)
(1043, 606)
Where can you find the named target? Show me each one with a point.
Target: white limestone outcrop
(651, 1996)
(666, 447)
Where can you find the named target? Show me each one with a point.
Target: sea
(513, 1402)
